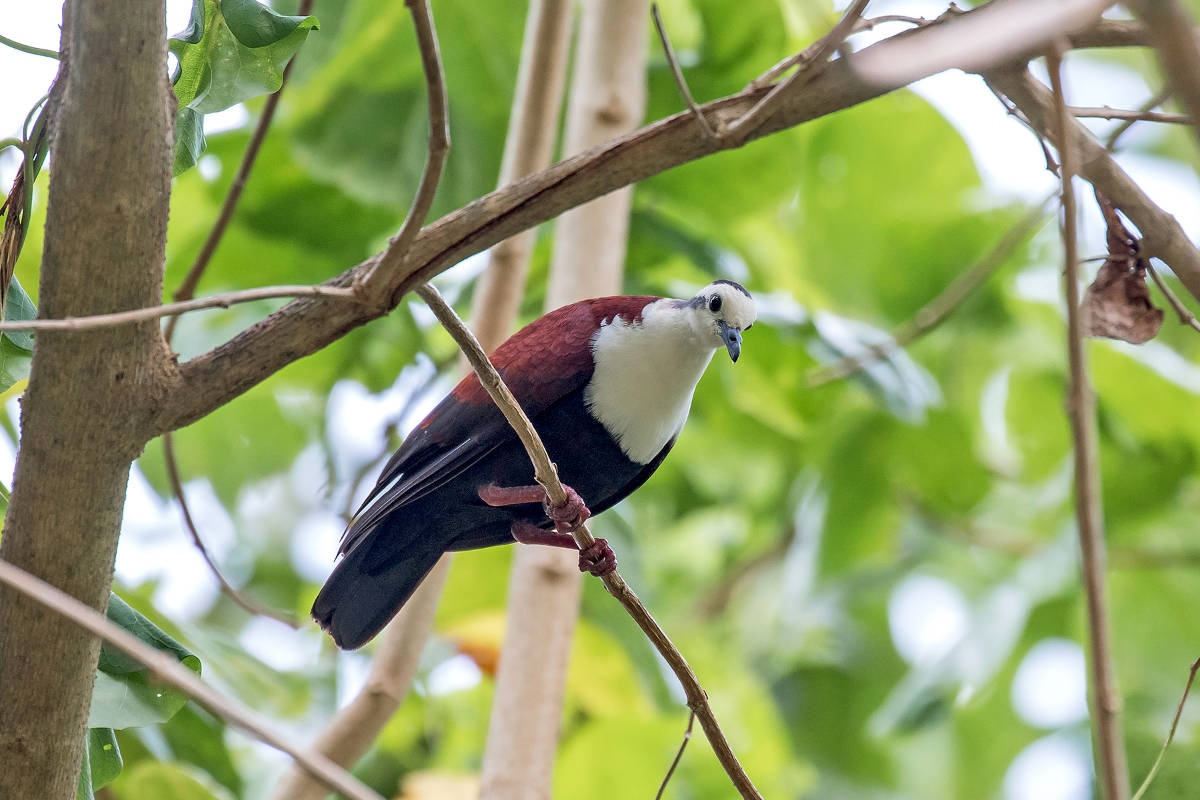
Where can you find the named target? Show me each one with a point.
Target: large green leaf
(231, 51)
(125, 695)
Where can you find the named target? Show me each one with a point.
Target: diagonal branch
(307, 325)
(167, 670)
(1081, 408)
(546, 475)
(386, 271)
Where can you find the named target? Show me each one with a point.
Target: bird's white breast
(645, 374)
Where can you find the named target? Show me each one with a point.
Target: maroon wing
(542, 363)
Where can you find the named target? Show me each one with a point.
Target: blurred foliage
(778, 540)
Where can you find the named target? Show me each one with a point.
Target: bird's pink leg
(599, 559)
(566, 518)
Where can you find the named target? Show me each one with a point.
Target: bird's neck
(645, 374)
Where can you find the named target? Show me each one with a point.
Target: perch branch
(546, 475)
(680, 81)
(166, 669)
(386, 271)
(1106, 701)
(1187, 687)
(170, 309)
(937, 310)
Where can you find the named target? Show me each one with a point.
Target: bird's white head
(719, 314)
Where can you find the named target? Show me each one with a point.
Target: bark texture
(608, 99)
(86, 412)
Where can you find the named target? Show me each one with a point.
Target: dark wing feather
(542, 363)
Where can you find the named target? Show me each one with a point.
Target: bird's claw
(598, 558)
(570, 515)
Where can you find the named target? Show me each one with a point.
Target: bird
(607, 384)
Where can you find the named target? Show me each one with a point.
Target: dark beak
(732, 338)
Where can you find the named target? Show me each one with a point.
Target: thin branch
(386, 272)
(187, 289)
(169, 671)
(1173, 33)
(1154, 102)
(937, 310)
(1185, 316)
(1106, 701)
(546, 475)
(1105, 112)
(814, 59)
(233, 594)
(171, 309)
(680, 81)
(1170, 734)
(28, 48)
(687, 736)
(306, 325)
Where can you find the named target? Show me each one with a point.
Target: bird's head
(719, 314)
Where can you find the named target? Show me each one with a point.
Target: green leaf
(230, 52)
(157, 780)
(14, 363)
(125, 695)
(19, 308)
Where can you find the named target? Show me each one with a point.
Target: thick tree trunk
(608, 99)
(87, 408)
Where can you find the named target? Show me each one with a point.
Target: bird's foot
(598, 559)
(566, 517)
(569, 516)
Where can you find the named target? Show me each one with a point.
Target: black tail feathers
(360, 596)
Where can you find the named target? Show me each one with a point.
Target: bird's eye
(714, 303)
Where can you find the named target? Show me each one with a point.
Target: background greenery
(777, 540)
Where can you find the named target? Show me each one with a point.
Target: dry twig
(1105, 112)
(166, 669)
(1186, 317)
(385, 272)
(546, 475)
(687, 737)
(814, 60)
(1154, 102)
(170, 309)
(935, 312)
(680, 81)
(1170, 734)
(1106, 701)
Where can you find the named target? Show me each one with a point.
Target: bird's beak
(732, 338)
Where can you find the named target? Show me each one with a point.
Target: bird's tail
(362, 593)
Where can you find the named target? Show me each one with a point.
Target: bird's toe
(571, 514)
(598, 559)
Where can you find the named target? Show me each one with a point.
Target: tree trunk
(608, 98)
(87, 408)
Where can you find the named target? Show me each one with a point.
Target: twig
(935, 312)
(170, 309)
(1170, 734)
(233, 594)
(28, 48)
(1185, 316)
(386, 270)
(1105, 112)
(680, 81)
(687, 735)
(169, 671)
(546, 475)
(1106, 702)
(1154, 102)
(814, 58)
(187, 289)
(1174, 37)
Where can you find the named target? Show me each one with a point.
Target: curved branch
(307, 325)
(546, 474)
